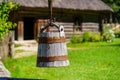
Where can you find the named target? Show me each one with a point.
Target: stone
(3, 71)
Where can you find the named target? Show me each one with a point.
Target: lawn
(88, 61)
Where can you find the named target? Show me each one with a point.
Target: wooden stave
(53, 64)
(48, 53)
(42, 48)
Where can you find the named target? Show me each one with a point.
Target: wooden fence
(7, 46)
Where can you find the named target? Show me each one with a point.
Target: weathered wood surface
(52, 54)
(68, 28)
(11, 44)
(4, 49)
(94, 27)
(37, 25)
(20, 30)
(6, 46)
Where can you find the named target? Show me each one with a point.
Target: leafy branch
(5, 24)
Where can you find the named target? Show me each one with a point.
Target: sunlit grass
(19, 51)
(90, 61)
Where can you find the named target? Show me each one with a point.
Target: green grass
(19, 51)
(18, 45)
(89, 61)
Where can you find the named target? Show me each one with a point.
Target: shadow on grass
(114, 45)
(6, 78)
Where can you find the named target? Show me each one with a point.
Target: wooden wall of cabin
(29, 27)
(91, 20)
(68, 18)
(40, 18)
(86, 21)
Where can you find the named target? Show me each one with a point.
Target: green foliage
(18, 45)
(91, 37)
(87, 36)
(76, 39)
(117, 33)
(88, 61)
(96, 37)
(115, 5)
(108, 34)
(5, 9)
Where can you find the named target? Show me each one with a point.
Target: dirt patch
(25, 48)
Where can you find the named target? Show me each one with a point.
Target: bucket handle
(51, 24)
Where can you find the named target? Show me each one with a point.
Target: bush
(5, 9)
(87, 36)
(76, 39)
(96, 37)
(108, 34)
(117, 33)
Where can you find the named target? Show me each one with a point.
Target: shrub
(117, 33)
(96, 37)
(5, 9)
(76, 39)
(87, 36)
(108, 34)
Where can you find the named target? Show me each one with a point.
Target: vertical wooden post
(50, 3)
(20, 30)
(37, 26)
(111, 18)
(35, 30)
(100, 24)
(12, 34)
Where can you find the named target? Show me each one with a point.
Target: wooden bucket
(52, 50)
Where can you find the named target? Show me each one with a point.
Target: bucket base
(53, 64)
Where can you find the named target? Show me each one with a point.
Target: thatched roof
(93, 5)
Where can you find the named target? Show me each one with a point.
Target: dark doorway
(28, 28)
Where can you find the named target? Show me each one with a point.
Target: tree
(115, 5)
(5, 24)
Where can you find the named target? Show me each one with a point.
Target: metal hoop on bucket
(52, 50)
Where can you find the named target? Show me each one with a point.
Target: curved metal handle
(51, 24)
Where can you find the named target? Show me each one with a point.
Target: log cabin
(75, 15)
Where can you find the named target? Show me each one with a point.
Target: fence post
(11, 47)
